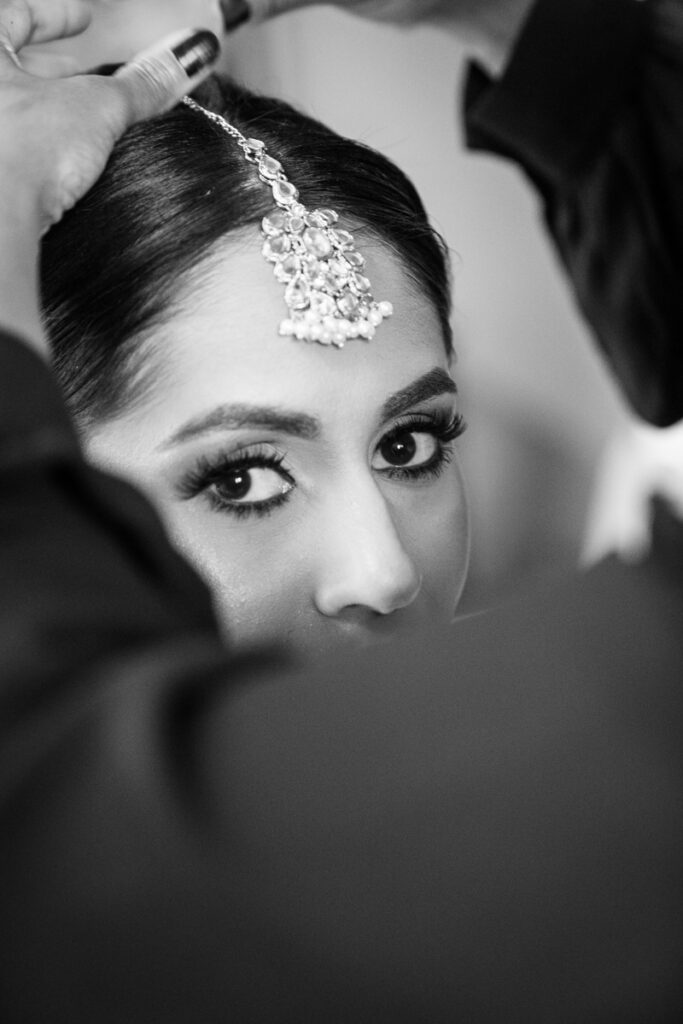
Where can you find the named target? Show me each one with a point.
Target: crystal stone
(274, 223)
(310, 264)
(269, 166)
(287, 269)
(296, 225)
(297, 294)
(361, 283)
(347, 305)
(276, 247)
(331, 216)
(316, 220)
(334, 283)
(338, 267)
(317, 242)
(323, 305)
(354, 258)
(284, 192)
(256, 144)
(326, 281)
(344, 238)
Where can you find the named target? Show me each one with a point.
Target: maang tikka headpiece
(328, 296)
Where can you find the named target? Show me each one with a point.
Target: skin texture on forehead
(351, 556)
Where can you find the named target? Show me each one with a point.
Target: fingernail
(235, 12)
(197, 52)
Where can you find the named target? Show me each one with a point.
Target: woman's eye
(409, 448)
(250, 485)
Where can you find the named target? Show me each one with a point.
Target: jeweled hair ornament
(328, 297)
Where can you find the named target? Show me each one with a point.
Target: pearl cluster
(328, 296)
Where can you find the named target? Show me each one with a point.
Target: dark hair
(173, 187)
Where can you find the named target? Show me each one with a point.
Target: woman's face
(317, 490)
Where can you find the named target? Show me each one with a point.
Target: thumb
(160, 76)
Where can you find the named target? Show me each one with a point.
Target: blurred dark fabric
(590, 107)
(484, 824)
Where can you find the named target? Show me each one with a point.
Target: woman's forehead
(219, 360)
(224, 331)
(219, 356)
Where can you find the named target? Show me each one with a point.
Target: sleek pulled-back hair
(174, 187)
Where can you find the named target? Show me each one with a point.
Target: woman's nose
(364, 562)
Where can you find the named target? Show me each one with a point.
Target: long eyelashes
(443, 428)
(214, 478)
(210, 476)
(455, 427)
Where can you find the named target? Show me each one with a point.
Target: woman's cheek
(255, 578)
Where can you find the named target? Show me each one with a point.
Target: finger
(46, 64)
(58, 19)
(39, 21)
(158, 78)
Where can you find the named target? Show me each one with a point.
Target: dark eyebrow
(298, 424)
(234, 417)
(431, 384)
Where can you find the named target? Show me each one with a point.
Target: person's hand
(57, 134)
